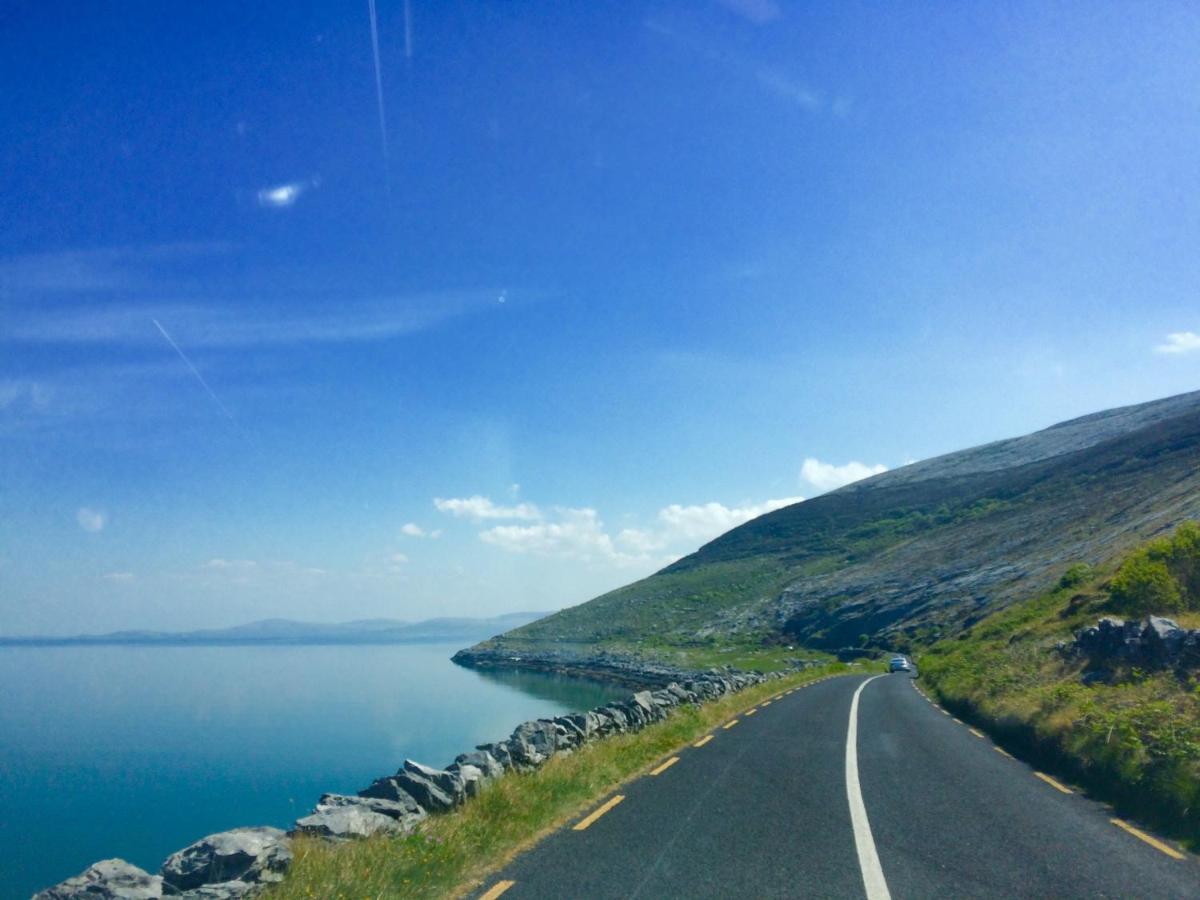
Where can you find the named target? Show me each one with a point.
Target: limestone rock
(244, 854)
(109, 879)
(345, 822)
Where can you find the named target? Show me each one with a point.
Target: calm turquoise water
(138, 751)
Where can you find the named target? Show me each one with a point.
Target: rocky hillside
(916, 552)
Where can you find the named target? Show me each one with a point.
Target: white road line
(868, 859)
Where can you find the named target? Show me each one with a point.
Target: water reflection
(575, 694)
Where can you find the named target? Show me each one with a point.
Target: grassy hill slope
(916, 552)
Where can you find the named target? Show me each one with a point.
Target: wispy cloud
(1179, 342)
(760, 12)
(92, 520)
(113, 295)
(217, 326)
(478, 508)
(412, 529)
(31, 395)
(118, 577)
(104, 269)
(231, 565)
(826, 476)
(771, 78)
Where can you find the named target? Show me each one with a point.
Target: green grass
(452, 853)
(1134, 742)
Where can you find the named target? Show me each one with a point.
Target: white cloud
(696, 524)
(477, 508)
(412, 529)
(118, 576)
(281, 196)
(1180, 342)
(707, 520)
(579, 534)
(92, 520)
(827, 476)
(397, 561)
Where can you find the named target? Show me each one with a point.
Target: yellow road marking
(975, 732)
(765, 703)
(1153, 842)
(704, 740)
(957, 719)
(584, 823)
(497, 889)
(729, 725)
(670, 762)
(943, 712)
(751, 712)
(1054, 784)
(1003, 752)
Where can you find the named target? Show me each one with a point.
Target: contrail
(387, 168)
(195, 371)
(407, 30)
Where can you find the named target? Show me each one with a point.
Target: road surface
(791, 802)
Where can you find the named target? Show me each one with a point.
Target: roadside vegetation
(1131, 736)
(452, 853)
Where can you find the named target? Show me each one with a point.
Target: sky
(542, 296)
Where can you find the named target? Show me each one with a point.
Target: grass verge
(1132, 740)
(453, 853)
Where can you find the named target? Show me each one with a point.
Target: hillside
(913, 553)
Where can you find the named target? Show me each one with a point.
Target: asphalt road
(763, 809)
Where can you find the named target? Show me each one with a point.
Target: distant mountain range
(287, 631)
(915, 553)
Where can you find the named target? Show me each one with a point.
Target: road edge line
(1152, 841)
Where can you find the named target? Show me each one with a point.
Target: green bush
(1077, 574)
(1143, 586)
(1162, 576)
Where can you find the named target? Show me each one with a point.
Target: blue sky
(609, 280)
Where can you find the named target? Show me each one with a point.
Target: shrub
(1143, 585)
(1076, 574)
(1162, 576)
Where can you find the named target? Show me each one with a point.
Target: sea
(136, 751)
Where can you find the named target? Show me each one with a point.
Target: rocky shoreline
(243, 861)
(609, 667)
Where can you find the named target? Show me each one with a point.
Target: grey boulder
(481, 760)
(425, 789)
(396, 809)
(339, 817)
(345, 822)
(109, 879)
(249, 855)
(225, 890)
